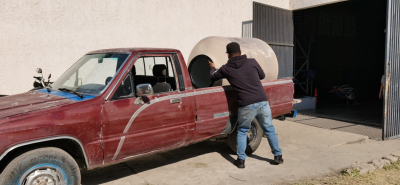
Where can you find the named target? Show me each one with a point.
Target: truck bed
(215, 105)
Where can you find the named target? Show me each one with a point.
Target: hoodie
(244, 75)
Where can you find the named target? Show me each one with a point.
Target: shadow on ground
(372, 131)
(366, 112)
(141, 164)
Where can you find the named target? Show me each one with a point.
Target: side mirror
(142, 91)
(39, 70)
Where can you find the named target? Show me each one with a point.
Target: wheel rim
(43, 175)
(252, 133)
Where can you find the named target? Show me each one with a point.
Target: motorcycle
(40, 82)
(345, 92)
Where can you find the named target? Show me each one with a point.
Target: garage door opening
(339, 59)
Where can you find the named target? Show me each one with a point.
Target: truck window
(162, 65)
(125, 89)
(92, 73)
(101, 72)
(140, 67)
(149, 64)
(167, 62)
(170, 69)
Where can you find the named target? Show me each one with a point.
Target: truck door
(130, 129)
(214, 107)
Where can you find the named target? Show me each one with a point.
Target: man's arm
(214, 73)
(261, 73)
(380, 92)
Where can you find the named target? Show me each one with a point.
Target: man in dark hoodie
(244, 75)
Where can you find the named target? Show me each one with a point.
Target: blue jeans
(262, 112)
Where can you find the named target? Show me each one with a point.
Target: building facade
(53, 35)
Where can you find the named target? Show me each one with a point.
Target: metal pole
(294, 55)
(308, 61)
(387, 70)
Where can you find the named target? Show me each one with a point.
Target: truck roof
(133, 50)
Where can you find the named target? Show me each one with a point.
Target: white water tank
(214, 49)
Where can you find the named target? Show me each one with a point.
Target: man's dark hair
(232, 48)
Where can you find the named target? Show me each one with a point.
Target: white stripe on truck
(195, 93)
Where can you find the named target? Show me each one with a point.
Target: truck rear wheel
(42, 166)
(254, 137)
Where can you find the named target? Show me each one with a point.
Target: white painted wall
(301, 4)
(53, 34)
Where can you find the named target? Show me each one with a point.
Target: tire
(40, 164)
(252, 142)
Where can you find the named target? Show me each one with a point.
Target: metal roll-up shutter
(392, 69)
(275, 27)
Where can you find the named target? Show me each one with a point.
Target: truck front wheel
(42, 166)
(254, 137)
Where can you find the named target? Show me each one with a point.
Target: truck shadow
(149, 162)
(145, 163)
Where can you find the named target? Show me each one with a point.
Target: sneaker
(239, 163)
(277, 160)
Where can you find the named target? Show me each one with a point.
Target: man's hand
(212, 65)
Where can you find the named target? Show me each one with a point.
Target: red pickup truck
(113, 105)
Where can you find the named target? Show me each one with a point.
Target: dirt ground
(388, 175)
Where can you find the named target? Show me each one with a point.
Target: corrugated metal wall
(392, 68)
(285, 59)
(275, 26)
(247, 29)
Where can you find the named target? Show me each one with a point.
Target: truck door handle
(176, 100)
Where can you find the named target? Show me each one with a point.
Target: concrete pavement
(308, 152)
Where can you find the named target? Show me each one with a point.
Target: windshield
(91, 74)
